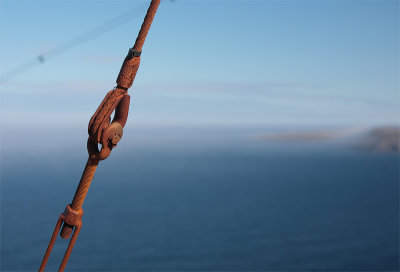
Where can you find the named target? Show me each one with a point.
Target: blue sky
(230, 63)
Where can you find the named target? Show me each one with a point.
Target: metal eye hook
(102, 131)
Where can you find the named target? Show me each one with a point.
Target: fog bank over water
(53, 140)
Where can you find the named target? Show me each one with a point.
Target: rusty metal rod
(132, 61)
(131, 66)
(50, 246)
(146, 25)
(80, 194)
(101, 131)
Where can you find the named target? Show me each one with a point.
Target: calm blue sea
(222, 207)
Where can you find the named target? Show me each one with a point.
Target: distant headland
(383, 139)
(380, 139)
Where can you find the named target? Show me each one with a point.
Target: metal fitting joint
(72, 217)
(133, 53)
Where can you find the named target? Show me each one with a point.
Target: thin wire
(74, 42)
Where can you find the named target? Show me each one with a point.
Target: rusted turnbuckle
(105, 132)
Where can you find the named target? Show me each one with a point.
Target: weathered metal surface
(131, 63)
(128, 72)
(151, 12)
(72, 217)
(105, 132)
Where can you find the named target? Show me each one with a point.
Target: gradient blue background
(209, 62)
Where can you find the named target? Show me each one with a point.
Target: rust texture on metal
(74, 218)
(79, 197)
(101, 117)
(106, 132)
(151, 12)
(130, 66)
(128, 72)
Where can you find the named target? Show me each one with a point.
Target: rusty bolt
(115, 139)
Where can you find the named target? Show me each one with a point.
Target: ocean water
(232, 207)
